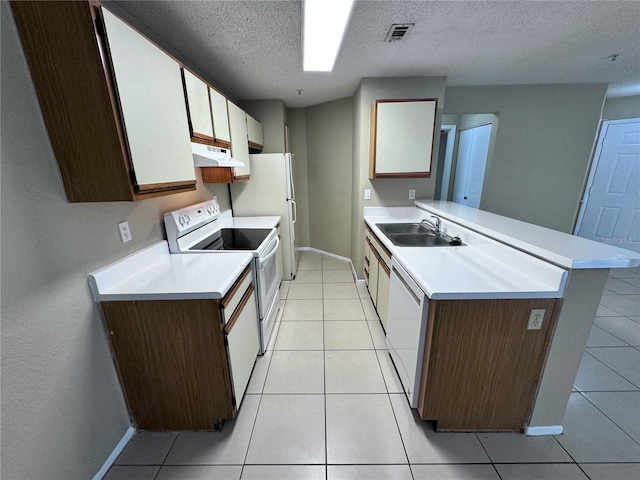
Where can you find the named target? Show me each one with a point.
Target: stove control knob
(181, 220)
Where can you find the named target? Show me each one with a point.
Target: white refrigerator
(271, 191)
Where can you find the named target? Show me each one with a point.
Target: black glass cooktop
(234, 239)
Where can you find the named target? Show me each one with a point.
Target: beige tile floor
(325, 403)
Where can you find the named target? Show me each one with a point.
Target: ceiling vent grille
(398, 31)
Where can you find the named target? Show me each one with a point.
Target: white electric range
(202, 228)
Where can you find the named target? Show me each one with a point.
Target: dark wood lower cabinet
(482, 367)
(172, 362)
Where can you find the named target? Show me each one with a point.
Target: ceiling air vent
(398, 31)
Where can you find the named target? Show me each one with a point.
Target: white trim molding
(543, 430)
(114, 455)
(332, 255)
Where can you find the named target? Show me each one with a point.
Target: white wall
(542, 149)
(62, 406)
(296, 119)
(329, 133)
(386, 191)
(273, 115)
(621, 108)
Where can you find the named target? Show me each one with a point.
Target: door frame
(595, 161)
(451, 131)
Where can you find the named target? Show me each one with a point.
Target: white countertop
(567, 251)
(482, 269)
(155, 274)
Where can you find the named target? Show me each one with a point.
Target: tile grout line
(608, 418)
(324, 377)
(620, 375)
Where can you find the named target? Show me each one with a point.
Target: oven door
(269, 276)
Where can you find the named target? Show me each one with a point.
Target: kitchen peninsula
(511, 264)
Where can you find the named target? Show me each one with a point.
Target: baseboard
(543, 430)
(116, 451)
(333, 255)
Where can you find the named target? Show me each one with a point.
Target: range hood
(208, 156)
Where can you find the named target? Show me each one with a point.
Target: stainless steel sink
(416, 235)
(393, 228)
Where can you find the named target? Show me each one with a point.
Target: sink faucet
(436, 225)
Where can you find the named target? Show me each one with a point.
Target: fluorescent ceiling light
(324, 24)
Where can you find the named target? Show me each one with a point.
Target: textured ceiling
(252, 49)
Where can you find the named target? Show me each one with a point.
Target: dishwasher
(406, 329)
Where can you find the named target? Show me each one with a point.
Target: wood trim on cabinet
(404, 175)
(236, 285)
(217, 142)
(373, 136)
(216, 174)
(238, 311)
(256, 147)
(202, 138)
(241, 178)
(373, 249)
(66, 68)
(171, 361)
(159, 187)
(483, 366)
(65, 48)
(385, 268)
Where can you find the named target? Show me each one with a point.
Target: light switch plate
(535, 319)
(367, 194)
(125, 233)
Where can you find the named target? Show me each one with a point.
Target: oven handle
(264, 259)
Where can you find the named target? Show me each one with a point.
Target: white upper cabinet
(220, 116)
(239, 141)
(402, 138)
(154, 114)
(254, 130)
(197, 93)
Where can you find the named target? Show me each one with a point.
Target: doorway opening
(466, 150)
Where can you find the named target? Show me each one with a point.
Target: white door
(473, 148)
(611, 205)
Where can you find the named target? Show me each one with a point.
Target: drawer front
(232, 298)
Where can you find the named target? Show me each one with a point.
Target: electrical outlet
(535, 318)
(125, 233)
(367, 194)
(412, 194)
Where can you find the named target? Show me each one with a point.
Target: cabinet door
(383, 293)
(220, 115)
(254, 131)
(244, 342)
(239, 142)
(402, 138)
(197, 93)
(154, 114)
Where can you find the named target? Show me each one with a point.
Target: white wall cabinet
(149, 88)
(197, 95)
(112, 102)
(220, 116)
(239, 141)
(254, 132)
(401, 142)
